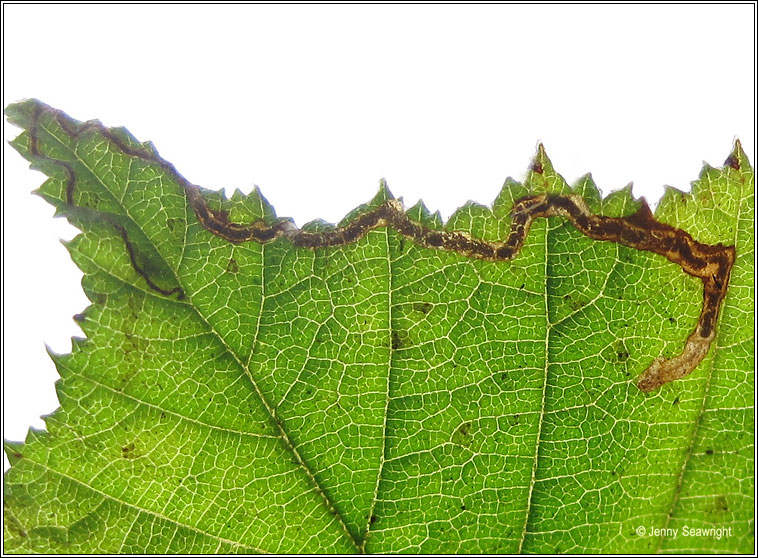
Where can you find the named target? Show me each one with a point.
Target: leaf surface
(380, 395)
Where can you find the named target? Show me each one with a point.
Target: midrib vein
(272, 415)
(544, 390)
(383, 455)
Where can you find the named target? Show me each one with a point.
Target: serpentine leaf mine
(710, 263)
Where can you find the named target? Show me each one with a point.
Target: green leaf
(380, 395)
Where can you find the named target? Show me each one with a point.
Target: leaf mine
(710, 263)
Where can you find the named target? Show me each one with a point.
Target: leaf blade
(456, 405)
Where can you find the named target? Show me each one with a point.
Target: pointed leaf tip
(737, 159)
(384, 190)
(541, 161)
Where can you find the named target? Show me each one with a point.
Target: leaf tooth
(237, 195)
(737, 158)
(20, 113)
(437, 220)
(541, 177)
(14, 451)
(37, 435)
(620, 203)
(384, 191)
(503, 202)
(585, 186)
(256, 196)
(419, 212)
(61, 359)
(672, 199)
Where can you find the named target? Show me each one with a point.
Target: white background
(316, 103)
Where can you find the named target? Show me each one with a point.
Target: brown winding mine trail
(711, 263)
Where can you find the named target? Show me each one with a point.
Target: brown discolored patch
(423, 307)
(733, 162)
(463, 435)
(574, 303)
(399, 340)
(128, 451)
(12, 524)
(721, 504)
(170, 224)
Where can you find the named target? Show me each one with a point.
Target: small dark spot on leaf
(372, 520)
(423, 307)
(732, 161)
(576, 305)
(537, 167)
(463, 435)
(672, 320)
(400, 339)
(709, 452)
(395, 340)
(79, 318)
(232, 266)
(676, 401)
(127, 451)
